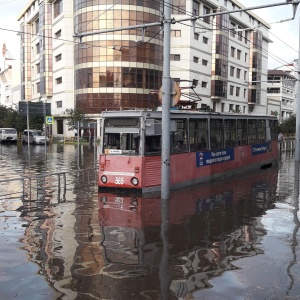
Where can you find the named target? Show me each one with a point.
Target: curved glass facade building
(119, 69)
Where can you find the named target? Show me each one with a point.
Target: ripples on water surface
(233, 239)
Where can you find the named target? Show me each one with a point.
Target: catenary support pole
(297, 146)
(166, 104)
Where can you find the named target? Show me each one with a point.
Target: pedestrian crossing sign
(49, 120)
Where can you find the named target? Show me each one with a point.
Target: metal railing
(49, 186)
(287, 145)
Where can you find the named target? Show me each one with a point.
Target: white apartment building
(47, 58)
(225, 56)
(10, 92)
(281, 93)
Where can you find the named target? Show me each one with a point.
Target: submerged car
(8, 135)
(36, 137)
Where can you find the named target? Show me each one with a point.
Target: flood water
(60, 239)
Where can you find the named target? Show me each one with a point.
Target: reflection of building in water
(112, 249)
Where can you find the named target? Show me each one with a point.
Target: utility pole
(166, 104)
(297, 146)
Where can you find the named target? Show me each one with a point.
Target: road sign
(34, 108)
(49, 120)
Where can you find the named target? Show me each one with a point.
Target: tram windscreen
(122, 143)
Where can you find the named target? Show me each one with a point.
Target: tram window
(202, 135)
(252, 131)
(242, 134)
(128, 142)
(273, 128)
(261, 131)
(230, 133)
(112, 141)
(179, 138)
(216, 134)
(198, 135)
(193, 135)
(153, 145)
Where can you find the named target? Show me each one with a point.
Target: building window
(232, 71)
(204, 84)
(58, 104)
(232, 52)
(246, 57)
(58, 8)
(195, 59)
(238, 54)
(237, 91)
(58, 57)
(240, 35)
(196, 36)
(238, 73)
(205, 40)
(60, 126)
(195, 82)
(196, 8)
(232, 29)
(206, 11)
(231, 90)
(176, 33)
(58, 80)
(58, 33)
(246, 37)
(37, 68)
(204, 62)
(245, 93)
(230, 107)
(36, 26)
(222, 107)
(245, 75)
(38, 87)
(179, 7)
(37, 47)
(175, 57)
(225, 3)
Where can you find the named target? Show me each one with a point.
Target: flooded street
(60, 239)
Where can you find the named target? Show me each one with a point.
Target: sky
(285, 35)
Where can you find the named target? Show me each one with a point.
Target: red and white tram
(204, 146)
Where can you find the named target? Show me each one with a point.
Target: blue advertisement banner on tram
(261, 148)
(214, 157)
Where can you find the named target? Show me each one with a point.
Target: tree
(10, 118)
(75, 115)
(288, 125)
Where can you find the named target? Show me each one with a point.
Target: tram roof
(157, 113)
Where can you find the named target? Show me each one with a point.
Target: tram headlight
(103, 199)
(134, 181)
(134, 201)
(104, 179)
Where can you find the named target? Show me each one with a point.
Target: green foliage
(75, 115)
(288, 125)
(10, 118)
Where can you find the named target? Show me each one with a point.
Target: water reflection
(294, 241)
(209, 227)
(106, 246)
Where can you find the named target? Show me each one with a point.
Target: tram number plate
(119, 180)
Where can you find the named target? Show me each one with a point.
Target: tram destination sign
(34, 108)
